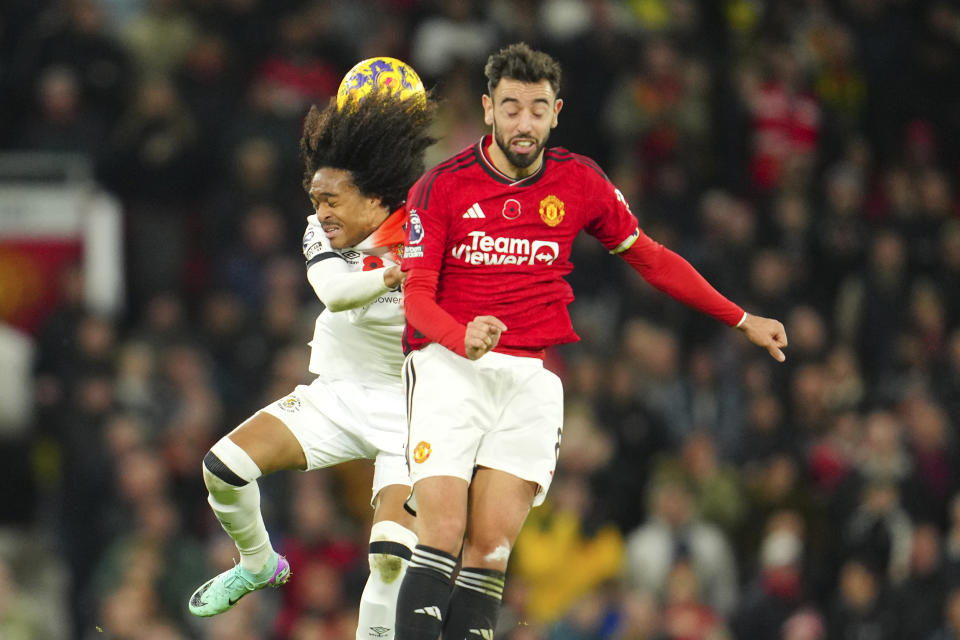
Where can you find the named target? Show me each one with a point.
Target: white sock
(390, 548)
(238, 507)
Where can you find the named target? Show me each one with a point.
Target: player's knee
(213, 475)
(386, 567)
(226, 466)
(498, 554)
(490, 552)
(391, 546)
(446, 534)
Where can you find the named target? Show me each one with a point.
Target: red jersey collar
(487, 163)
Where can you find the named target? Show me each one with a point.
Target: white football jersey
(363, 343)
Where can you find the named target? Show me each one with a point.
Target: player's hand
(483, 334)
(767, 333)
(393, 277)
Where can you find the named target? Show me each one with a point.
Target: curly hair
(519, 62)
(380, 140)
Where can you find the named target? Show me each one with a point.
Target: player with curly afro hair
(359, 162)
(380, 140)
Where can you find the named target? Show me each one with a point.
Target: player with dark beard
(487, 250)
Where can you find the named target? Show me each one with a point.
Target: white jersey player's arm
(337, 285)
(340, 289)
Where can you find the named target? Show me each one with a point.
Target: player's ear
(557, 105)
(376, 202)
(487, 109)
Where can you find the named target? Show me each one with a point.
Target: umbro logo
(433, 612)
(485, 634)
(379, 632)
(474, 211)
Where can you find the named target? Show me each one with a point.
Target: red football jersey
(502, 246)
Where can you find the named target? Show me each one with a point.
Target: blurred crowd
(800, 153)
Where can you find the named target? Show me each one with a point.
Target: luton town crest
(551, 210)
(290, 404)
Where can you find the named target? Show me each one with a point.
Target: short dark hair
(519, 62)
(380, 140)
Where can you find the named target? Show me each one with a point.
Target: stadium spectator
(673, 534)
(562, 555)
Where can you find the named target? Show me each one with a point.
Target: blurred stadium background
(801, 153)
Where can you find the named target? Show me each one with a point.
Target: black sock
(424, 594)
(474, 605)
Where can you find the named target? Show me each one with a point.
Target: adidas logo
(474, 211)
(486, 634)
(433, 612)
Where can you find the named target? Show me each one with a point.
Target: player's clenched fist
(483, 334)
(393, 277)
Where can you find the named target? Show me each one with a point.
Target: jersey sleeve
(615, 226)
(340, 288)
(672, 274)
(337, 286)
(423, 312)
(613, 223)
(427, 226)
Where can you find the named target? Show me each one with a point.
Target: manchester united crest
(551, 210)
(421, 452)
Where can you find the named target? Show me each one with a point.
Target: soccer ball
(376, 74)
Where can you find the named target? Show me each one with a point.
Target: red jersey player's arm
(423, 312)
(670, 273)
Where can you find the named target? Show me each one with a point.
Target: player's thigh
(328, 421)
(499, 504)
(447, 411)
(526, 442)
(269, 443)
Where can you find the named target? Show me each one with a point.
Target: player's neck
(507, 168)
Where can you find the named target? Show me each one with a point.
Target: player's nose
(525, 122)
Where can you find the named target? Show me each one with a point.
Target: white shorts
(337, 421)
(502, 412)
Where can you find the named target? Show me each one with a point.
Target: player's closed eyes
(539, 114)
